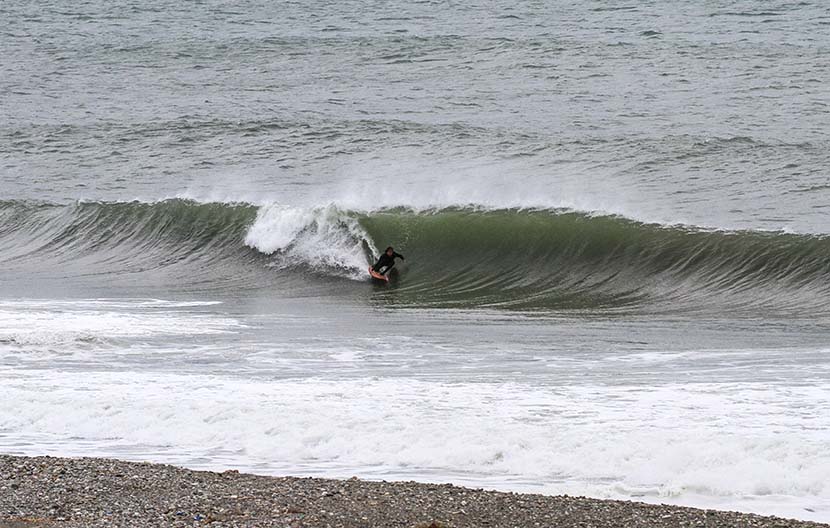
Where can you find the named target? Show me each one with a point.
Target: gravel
(90, 492)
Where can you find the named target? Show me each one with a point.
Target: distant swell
(461, 257)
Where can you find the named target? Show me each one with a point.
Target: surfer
(386, 261)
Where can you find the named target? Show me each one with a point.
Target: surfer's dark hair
(387, 249)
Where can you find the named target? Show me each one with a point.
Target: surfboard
(377, 276)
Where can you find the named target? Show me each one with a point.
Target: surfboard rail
(377, 276)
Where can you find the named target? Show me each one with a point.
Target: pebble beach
(91, 492)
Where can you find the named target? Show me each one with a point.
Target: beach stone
(97, 494)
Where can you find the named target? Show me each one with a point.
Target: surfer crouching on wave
(386, 261)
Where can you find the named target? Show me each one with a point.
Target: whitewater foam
(737, 443)
(39, 323)
(321, 238)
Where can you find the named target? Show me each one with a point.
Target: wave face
(560, 259)
(463, 257)
(122, 237)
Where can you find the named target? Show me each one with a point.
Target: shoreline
(43, 492)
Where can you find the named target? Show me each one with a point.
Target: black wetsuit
(386, 261)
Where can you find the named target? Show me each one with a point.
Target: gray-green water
(615, 218)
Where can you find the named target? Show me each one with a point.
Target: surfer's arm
(398, 255)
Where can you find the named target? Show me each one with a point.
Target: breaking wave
(456, 257)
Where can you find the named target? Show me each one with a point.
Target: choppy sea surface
(615, 217)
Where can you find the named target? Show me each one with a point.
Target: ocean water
(615, 217)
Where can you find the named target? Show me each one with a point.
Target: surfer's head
(389, 251)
